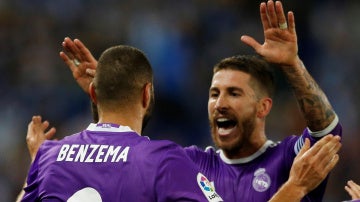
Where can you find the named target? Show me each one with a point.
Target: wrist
(296, 190)
(289, 192)
(295, 63)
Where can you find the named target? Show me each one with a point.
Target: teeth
(223, 131)
(222, 119)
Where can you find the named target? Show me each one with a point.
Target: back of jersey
(107, 162)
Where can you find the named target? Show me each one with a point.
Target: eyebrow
(230, 89)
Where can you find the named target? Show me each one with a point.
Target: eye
(213, 94)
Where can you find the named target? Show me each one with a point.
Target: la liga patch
(208, 189)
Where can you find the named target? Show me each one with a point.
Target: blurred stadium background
(183, 40)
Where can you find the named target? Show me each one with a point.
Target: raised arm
(80, 61)
(309, 169)
(280, 47)
(35, 136)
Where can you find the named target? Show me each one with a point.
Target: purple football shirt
(107, 162)
(258, 177)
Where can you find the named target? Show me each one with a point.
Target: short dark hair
(257, 67)
(122, 73)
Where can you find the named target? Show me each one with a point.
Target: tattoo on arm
(313, 102)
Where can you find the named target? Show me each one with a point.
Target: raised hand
(280, 45)
(309, 169)
(80, 61)
(312, 165)
(36, 135)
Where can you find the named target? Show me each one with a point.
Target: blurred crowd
(183, 40)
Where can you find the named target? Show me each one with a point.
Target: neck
(124, 118)
(248, 146)
(246, 150)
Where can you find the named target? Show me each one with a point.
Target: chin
(225, 145)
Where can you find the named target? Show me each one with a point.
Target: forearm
(313, 102)
(21, 194)
(288, 192)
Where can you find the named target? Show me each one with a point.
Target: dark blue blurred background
(183, 40)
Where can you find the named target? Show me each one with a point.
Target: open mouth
(225, 126)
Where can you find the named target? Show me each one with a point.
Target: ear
(92, 93)
(264, 107)
(146, 97)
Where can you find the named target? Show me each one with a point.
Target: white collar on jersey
(108, 127)
(245, 159)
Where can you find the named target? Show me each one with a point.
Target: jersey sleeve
(297, 142)
(334, 128)
(32, 188)
(179, 179)
(193, 152)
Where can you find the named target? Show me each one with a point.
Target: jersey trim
(327, 130)
(245, 159)
(298, 145)
(107, 127)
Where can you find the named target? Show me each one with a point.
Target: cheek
(211, 105)
(245, 108)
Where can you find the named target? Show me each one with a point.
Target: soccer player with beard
(310, 166)
(110, 160)
(248, 166)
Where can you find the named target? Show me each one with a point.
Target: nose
(221, 103)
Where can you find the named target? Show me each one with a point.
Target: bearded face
(232, 109)
(231, 133)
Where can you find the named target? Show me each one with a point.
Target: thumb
(250, 41)
(91, 72)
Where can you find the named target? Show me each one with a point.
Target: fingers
(248, 40)
(71, 49)
(329, 143)
(78, 58)
(70, 53)
(50, 133)
(350, 192)
(324, 153)
(90, 72)
(353, 185)
(45, 125)
(84, 52)
(34, 121)
(329, 148)
(38, 128)
(75, 49)
(353, 189)
(273, 16)
(331, 164)
(280, 13)
(291, 22)
(264, 16)
(36, 135)
(69, 62)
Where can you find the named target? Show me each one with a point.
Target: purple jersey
(108, 162)
(258, 177)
